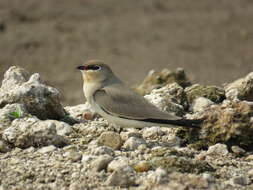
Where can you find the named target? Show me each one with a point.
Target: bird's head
(95, 71)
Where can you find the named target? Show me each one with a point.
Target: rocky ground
(46, 146)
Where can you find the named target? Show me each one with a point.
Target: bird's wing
(118, 100)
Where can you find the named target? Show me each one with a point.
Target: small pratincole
(118, 104)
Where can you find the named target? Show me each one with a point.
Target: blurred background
(211, 39)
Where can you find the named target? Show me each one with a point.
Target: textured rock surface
(158, 79)
(28, 132)
(52, 154)
(38, 98)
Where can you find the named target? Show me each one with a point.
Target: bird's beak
(81, 67)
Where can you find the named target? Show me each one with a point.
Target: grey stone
(123, 177)
(217, 149)
(47, 149)
(26, 132)
(103, 150)
(110, 139)
(133, 143)
(4, 147)
(238, 150)
(200, 104)
(38, 99)
(101, 162)
(118, 163)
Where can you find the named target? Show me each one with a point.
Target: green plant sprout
(16, 114)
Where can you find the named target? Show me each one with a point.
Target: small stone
(142, 166)
(238, 150)
(73, 156)
(123, 177)
(117, 163)
(47, 149)
(128, 134)
(200, 104)
(217, 149)
(156, 177)
(4, 147)
(110, 139)
(152, 132)
(209, 177)
(101, 162)
(103, 150)
(133, 143)
(62, 128)
(249, 158)
(241, 180)
(250, 173)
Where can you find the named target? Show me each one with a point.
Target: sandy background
(211, 39)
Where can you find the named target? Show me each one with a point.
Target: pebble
(123, 177)
(4, 146)
(241, 180)
(117, 163)
(47, 149)
(133, 143)
(200, 104)
(110, 139)
(142, 166)
(217, 149)
(103, 150)
(152, 132)
(101, 162)
(238, 150)
(73, 156)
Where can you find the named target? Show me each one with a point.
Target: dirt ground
(211, 39)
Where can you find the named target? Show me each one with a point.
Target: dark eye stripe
(93, 67)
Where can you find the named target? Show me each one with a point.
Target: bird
(119, 105)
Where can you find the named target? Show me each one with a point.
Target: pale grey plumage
(113, 100)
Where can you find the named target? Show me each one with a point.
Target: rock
(128, 134)
(142, 166)
(38, 99)
(26, 132)
(238, 150)
(213, 93)
(73, 155)
(228, 123)
(47, 149)
(159, 79)
(133, 142)
(123, 177)
(218, 149)
(209, 177)
(250, 173)
(10, 112)
(62, 128)
(4, 147)
(101, 162)
(180, 164)
(168, 98)
(86, 159)
(200, 104)
(241, 89)
(156, 177)
(77, 112)
(241, 180)
(110, 139)
(152, 132)
(118, 163)
(103, 150)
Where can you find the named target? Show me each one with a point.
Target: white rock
(117, 163)
(101, 162)
(38, 98)
(133, 142)
(238, 150)
(217, 149)
(26, 132)
(200, 104)
(152, 132)
(86, 159)
(78, 110)
(47, 149)
(167, 98)
(62, 128)
(123, 177)
(102, 150)
(240, 89)
(156, 177)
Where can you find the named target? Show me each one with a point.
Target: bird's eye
(93, 67)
